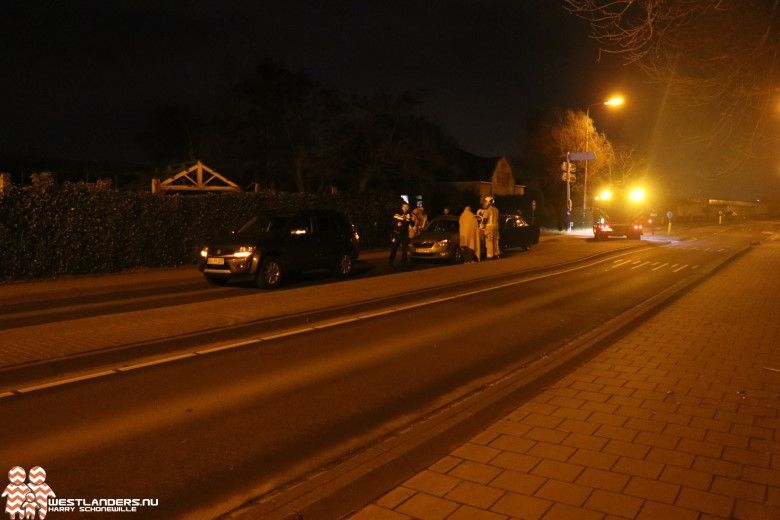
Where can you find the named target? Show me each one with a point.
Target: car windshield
(263, 224)
(443, 226)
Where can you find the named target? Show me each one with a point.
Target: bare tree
(717, 59)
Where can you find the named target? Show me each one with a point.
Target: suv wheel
(269, 276)
(457, 255)
(343, 265)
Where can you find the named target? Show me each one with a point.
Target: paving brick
(518, 482)
(652, 490)
(707, 449)
(626, 449)
(564, 512)
(745, 510)
(521, 506)
(572, 425)
(616, 432)
(510, 428)
(427, 507)
(686, 432)
(671, 457)
(697, 411)
(544, 421)
(511, 443)
(564, 492)
(710, 424)
(395, 497)
(604, 418)
(583, 385)
(546, 435)
(551, 451)
(475, 472)
(432, 483)
(485, 437)
(727, 439)
(596, 397)
(558, 470)
(594, 406)
(767, 476)
(645, 425)
(614, 503)
(705, 502)
(717, 466)
(566, 402)
(475, 452)
(372, 512)
(748, 457)
(593, 459)
(445, 464)
(537, 407)
(579, 440)
(656, 510)
(686, 477)
(472, 513)
(515, 461)
(639, 468)
(475, 495)
(739, 489)
(661, 440)
(752, 431)
(597, 478)
(572, 413)
(626, 401)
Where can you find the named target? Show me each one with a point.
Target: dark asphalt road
(203, 431)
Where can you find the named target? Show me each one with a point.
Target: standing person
(446, 210)
(403, 223)
(469, 236)
(420, 219)
(489, 223)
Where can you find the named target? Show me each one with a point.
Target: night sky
(79, 79)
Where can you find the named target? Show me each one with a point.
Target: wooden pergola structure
(197, 177)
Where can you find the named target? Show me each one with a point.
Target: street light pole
(615, 101)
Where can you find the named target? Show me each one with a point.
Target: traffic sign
(581, 156)
(568, 177)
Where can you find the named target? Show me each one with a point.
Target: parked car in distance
(273, 245)
(517, 232)
(439, 241)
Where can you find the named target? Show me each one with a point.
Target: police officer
(400, 236)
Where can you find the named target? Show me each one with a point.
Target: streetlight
(614, 101)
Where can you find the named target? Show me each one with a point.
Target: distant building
(488, 177)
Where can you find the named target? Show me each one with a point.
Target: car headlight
(204, 252)
(244, 251)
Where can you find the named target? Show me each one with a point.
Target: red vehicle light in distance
(637, 226)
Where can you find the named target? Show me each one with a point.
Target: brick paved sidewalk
(679, 419)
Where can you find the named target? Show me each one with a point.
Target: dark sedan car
(441, 239)
(272, 245)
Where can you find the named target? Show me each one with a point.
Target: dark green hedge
(77, 228)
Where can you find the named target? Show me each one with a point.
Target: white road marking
(226, 347)
(60, 382)
(674, 265)
(634, 263)
(680, 268)
(721, 250)
(293, 332)
(660, 266)
(640, 265)
(695, 267)
(160, 361)
(655, 263)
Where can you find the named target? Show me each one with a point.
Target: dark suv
(272, 245)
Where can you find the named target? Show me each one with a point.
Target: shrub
(77, 228)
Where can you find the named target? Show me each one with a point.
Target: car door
(301, 243)
(329, 241)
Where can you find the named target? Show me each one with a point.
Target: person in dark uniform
(400, 237)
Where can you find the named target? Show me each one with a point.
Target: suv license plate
(215, 261)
